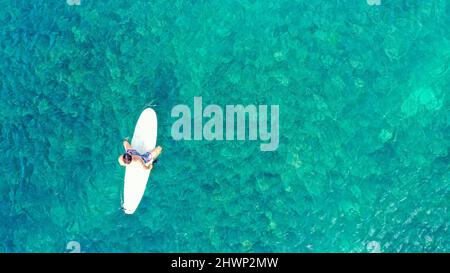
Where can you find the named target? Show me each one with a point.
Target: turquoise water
(363, 90)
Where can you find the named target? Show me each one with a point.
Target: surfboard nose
(128, 210)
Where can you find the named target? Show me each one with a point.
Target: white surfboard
(136, 177)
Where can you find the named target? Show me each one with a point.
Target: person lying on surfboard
(132, 156)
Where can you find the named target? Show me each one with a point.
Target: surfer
(132, 156)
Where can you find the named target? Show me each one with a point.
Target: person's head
(127, 158)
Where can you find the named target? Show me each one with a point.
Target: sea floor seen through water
(363, 158)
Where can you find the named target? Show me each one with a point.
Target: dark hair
(127, 158)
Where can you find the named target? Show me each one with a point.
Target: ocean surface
(363, 157)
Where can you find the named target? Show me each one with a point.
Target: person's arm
(120, 159)
(126, 144)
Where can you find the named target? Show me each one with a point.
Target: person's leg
(156, 152)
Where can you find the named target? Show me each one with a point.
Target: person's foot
(157, 151)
